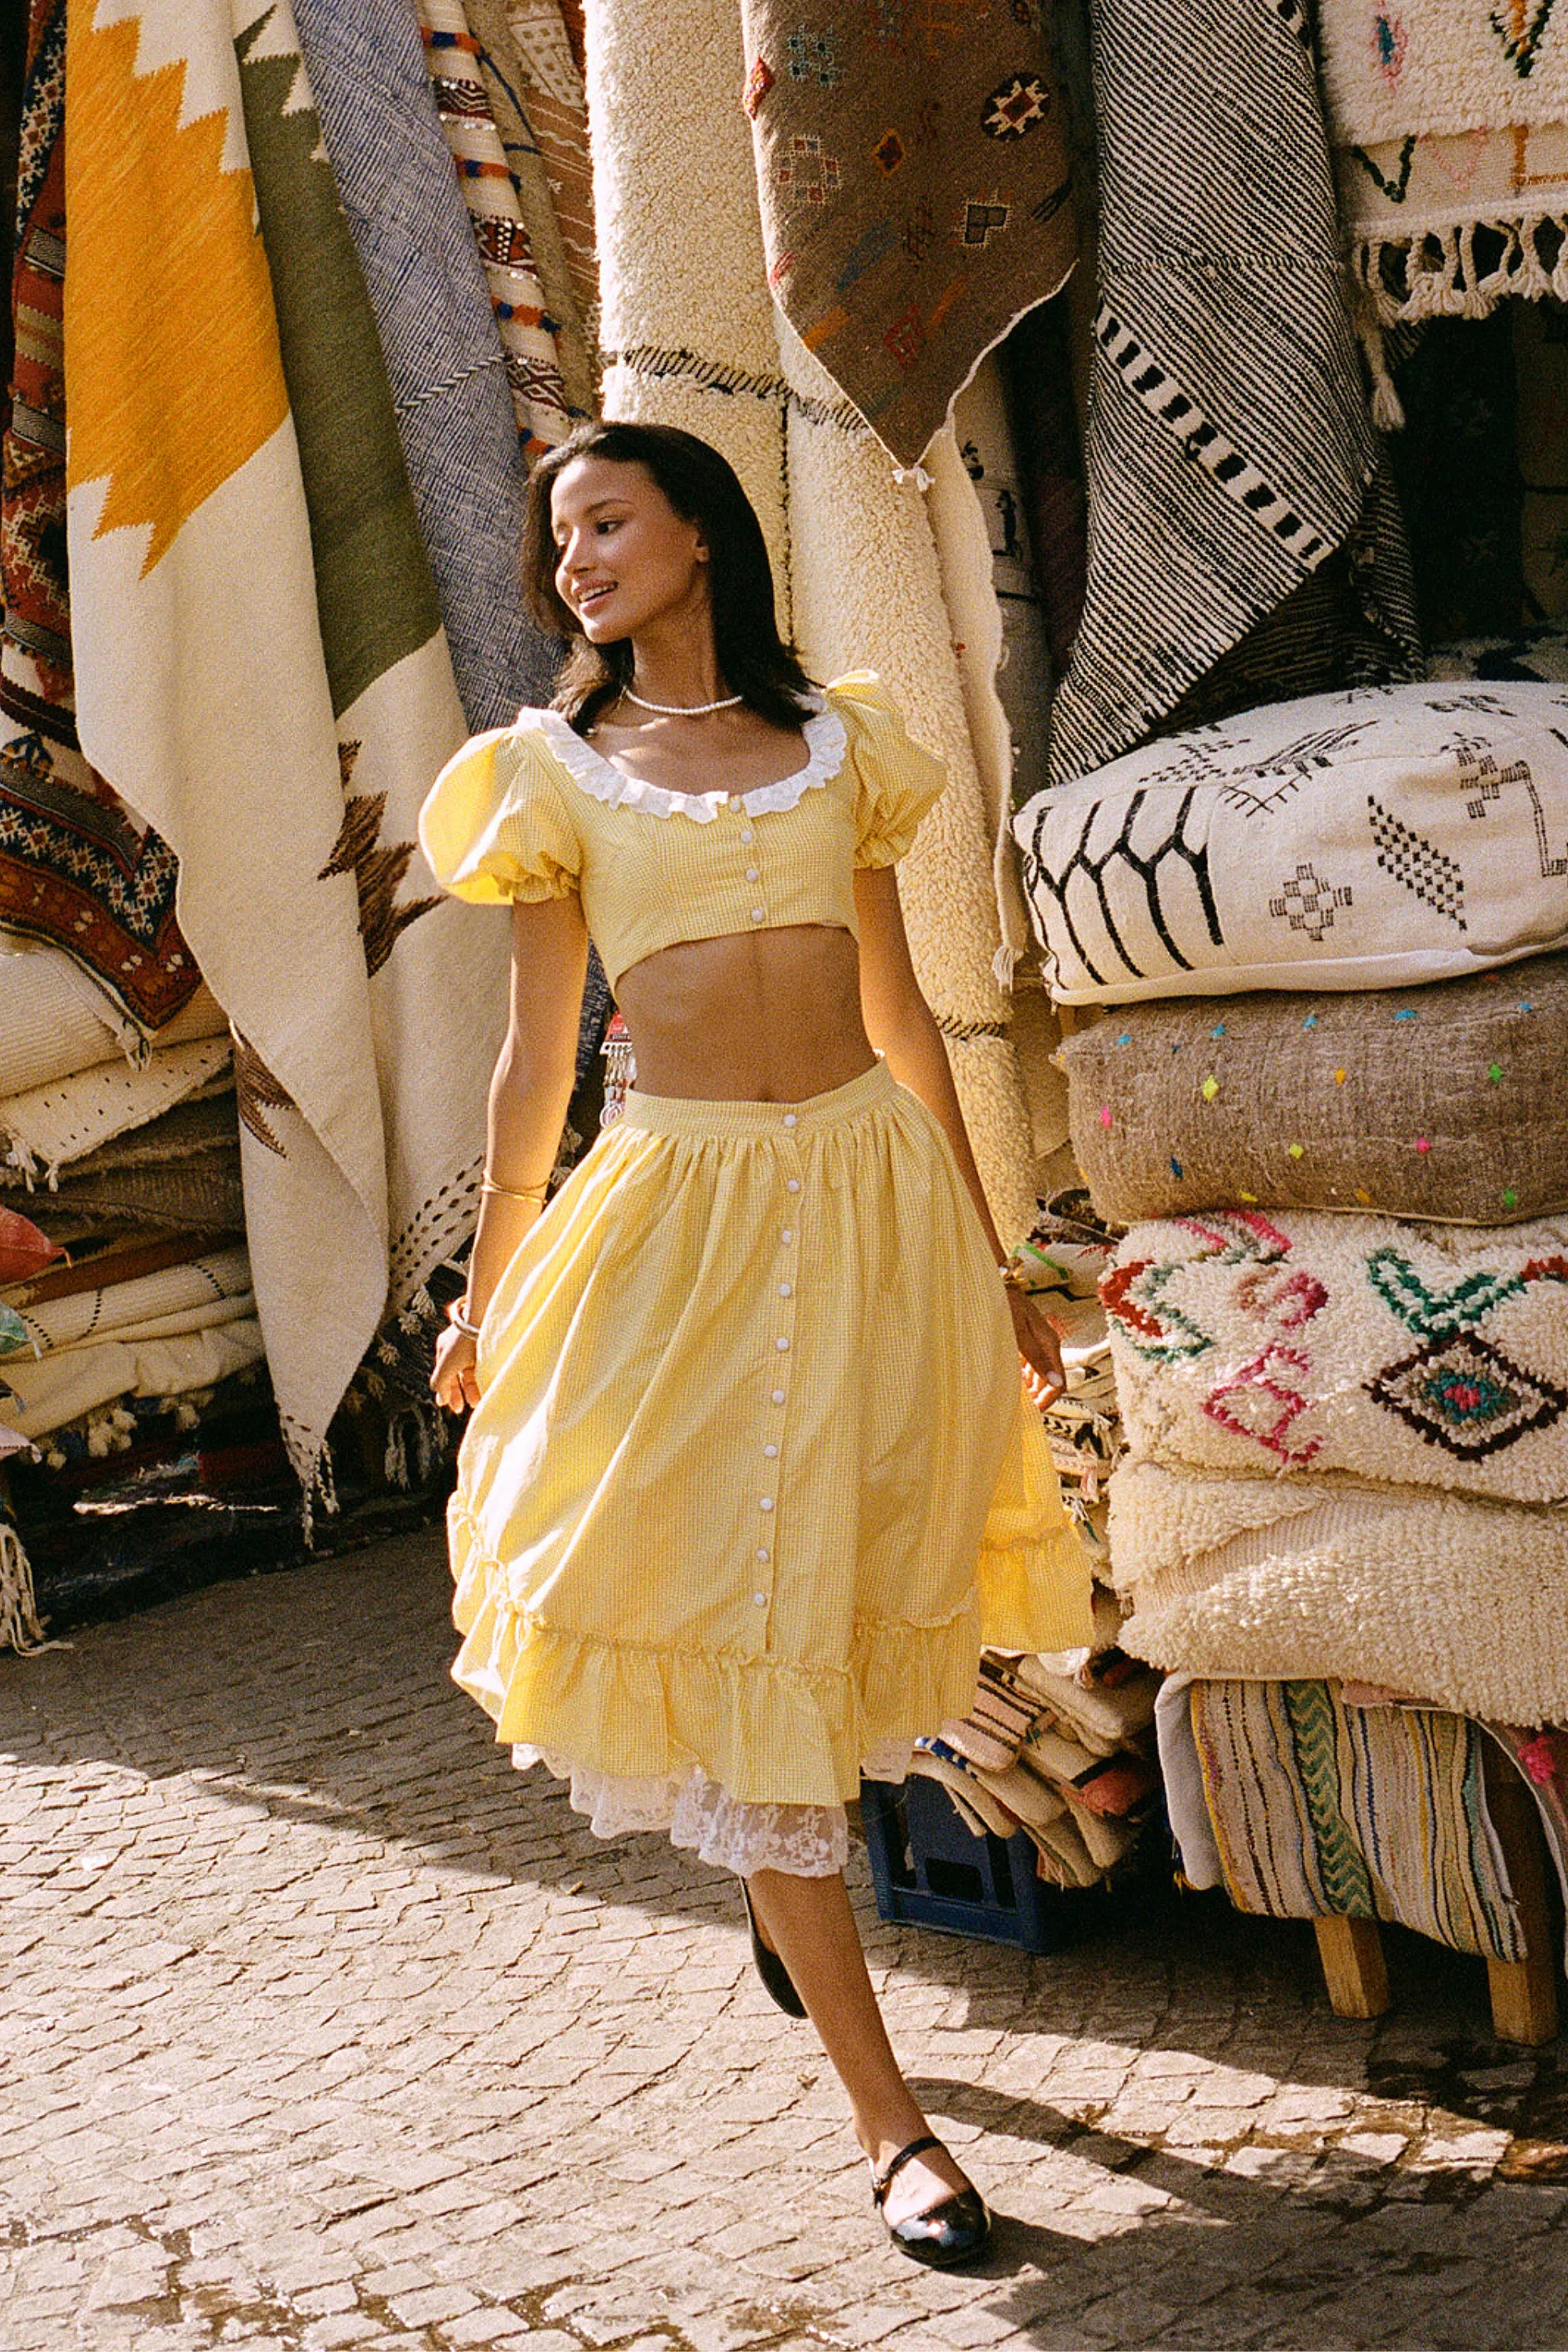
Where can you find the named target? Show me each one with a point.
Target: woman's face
(624, 558)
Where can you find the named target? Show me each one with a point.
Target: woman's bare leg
(809, 1923)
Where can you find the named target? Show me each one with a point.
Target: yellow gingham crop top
(532, 811)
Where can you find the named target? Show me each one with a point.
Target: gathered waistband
(729, 1121)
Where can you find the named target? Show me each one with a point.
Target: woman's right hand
(455, 1380)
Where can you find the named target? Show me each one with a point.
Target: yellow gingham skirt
(754, 1474)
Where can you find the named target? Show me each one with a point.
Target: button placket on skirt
(779, 1375)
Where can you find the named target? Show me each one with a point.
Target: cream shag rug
(1449, 119)
(1415, 1354)
(691, 339)
(1459, 1603)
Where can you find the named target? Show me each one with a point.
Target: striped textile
(443, 354)
(1320, 1809)
(527, 331)
(530, 118)
(1230, 451)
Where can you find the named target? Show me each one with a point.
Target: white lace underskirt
(804, 1840)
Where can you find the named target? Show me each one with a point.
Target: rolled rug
(1442, 1103)
(1456, 1600)
(1407, 1354)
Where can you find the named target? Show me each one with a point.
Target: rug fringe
(19, 1627)
(1433, 273)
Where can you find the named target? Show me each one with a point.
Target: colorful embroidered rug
(1414, 1354)
(1320, 1809)
(76, 868)
(526, 329)
(1441, 1103)
(536, 95)
(1370, 839)
(1450, 122)
(1230, 450)
(915, 189)
(286, 892)
(691, 339)
(1455, 1599)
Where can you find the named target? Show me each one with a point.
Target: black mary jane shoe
(776, 1979)
(945, 2234)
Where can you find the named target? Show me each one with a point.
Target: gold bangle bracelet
(534, 1192)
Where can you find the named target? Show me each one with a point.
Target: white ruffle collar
(823, 735)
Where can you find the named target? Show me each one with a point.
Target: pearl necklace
(682, 709)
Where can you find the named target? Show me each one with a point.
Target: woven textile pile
(1060, 1747)
(303, 316)
(1319, 1088)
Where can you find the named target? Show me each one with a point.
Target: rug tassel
(19, 1627)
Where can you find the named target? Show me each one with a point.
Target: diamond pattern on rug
(1462, 1394)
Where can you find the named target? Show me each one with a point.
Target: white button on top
(765, 1503)
(753, 875)
(757, 914)
(762, 1555)
(747, 835)
(772, 1451)
(792, 1183)
(761, 1598)
(790, 1120)
(778, 1396)
(787, 1290)
(782, 1345)
(787, 1235)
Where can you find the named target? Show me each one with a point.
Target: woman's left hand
(1040, 1349)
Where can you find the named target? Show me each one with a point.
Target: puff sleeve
(496, 827)
(897, 781)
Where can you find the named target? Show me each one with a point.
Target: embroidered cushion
(1444, 1102)
(1426, 1355)
(1367, 839)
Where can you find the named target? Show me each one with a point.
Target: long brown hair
(755, 661)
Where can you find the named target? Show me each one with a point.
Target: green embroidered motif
(1347, 1881)
(1394, 190)
(1522, 34)
(1433, 1315)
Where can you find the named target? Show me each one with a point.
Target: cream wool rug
(79, 1380)
(691, 339)
(1449, 119)
(1411, 1353)
(1458, 1602)
(48, 1127)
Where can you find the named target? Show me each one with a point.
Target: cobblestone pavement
(321, 2027)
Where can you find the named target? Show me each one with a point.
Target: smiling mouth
(588, 599)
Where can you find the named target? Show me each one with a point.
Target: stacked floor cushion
(1459, 1603)
(1410, 1354)
(1445, 1102)
(1371, 839)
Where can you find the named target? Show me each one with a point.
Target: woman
(751, 1471)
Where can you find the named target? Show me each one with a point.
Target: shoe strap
(882, 2182)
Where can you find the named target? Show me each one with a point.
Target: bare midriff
(753, 1016)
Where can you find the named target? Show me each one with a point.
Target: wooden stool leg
(1523, 1992)
(1353, 1969)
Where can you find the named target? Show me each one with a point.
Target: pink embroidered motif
(1258, 1405)
(1239, 1233)
(1283, 1301)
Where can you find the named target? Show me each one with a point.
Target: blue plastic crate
(929, 1871)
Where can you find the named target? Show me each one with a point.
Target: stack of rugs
(1059, 1746)
(1328, 1108)
(126, 1307)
